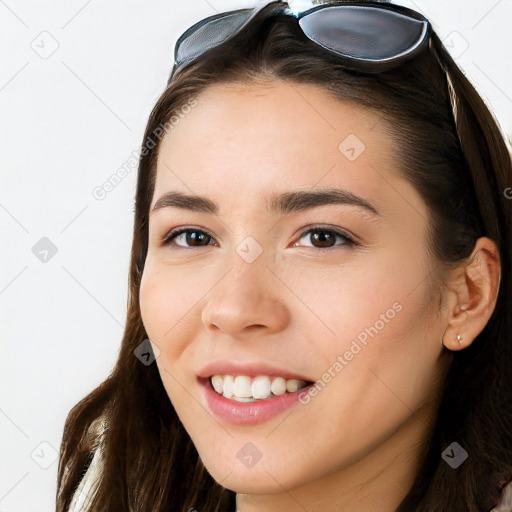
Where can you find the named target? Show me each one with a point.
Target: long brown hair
(461, 167)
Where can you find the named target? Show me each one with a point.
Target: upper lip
(251, 369)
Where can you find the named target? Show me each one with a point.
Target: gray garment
(89, 483)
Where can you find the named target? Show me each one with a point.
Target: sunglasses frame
(351, 62)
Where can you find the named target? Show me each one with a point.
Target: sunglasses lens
(365, 33)
(209, 33)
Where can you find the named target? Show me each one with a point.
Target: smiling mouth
(243, 388)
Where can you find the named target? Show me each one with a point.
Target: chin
(248, 482)
(259, 479)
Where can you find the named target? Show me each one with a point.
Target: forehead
(252, 138)
(287, 112)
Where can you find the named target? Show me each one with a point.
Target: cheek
(160, 313)
(164, 306)
(151, 302)
(170, 302)
(378, 300)
(374, 334)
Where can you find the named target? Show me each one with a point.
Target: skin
(356, 444)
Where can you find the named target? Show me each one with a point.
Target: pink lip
(247, 413)
(250, 369)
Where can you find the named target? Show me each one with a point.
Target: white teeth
(293, 385)
(261, 387)
(240, 399)
(227, 388)
(278, 386)
(218, 383)
(244, 389)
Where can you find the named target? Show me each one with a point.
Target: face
(332, 290)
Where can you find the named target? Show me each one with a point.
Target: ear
(473, 290)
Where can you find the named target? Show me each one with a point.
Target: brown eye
(322, 238)
(189, 237)
(319, 238)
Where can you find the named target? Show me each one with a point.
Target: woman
(335, 335)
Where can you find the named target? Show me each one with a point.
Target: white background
(70, 120)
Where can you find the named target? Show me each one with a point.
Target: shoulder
(90, 481)
(505, 503)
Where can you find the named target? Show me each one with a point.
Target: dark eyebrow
(283, 204)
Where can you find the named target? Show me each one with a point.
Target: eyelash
(348, 241)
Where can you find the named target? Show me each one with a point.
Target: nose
(248, 300)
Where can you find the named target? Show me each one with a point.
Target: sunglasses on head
(369, 36)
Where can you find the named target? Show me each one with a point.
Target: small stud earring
(459, 339)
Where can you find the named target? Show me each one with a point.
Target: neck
(379, 480)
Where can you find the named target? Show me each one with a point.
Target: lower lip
(247, 413)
